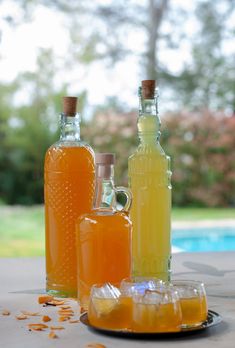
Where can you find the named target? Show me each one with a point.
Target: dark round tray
(213, 318)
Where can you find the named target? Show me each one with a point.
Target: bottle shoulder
(154, 151)
(74, 157)
(71, 144)
(151, 162)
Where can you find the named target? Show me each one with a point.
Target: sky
(19, 47)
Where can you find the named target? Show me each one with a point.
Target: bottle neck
(70, 128)
(149, 122)
(105, 197)
(148, 106)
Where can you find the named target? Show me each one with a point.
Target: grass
(22, 229)
(195, 214)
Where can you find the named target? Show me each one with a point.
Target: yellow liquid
(149, 176)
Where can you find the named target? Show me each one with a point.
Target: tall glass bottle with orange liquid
(149, 177)
(69, 183)
(104, 235)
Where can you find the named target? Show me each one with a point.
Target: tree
(98, 41)
(6, 172)
(30, 129)
(208, 80)
(148, 16)
(201, 145)
(205, 80)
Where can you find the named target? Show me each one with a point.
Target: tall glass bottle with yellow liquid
(149, 177)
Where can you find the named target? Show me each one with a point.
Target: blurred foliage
(201, 145)
(205, 79)
(202, 149)
(201, 142)
(116, 132)
(27, 131)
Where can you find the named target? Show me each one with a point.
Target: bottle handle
(128, 195)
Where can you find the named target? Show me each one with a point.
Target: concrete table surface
(22, 279)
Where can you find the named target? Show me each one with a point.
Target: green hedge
(201, 145)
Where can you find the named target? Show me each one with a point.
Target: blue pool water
(204, 239)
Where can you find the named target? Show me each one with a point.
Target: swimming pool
(203, 239)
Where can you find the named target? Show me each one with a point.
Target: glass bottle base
(55, 291)
(152, 267)
(166, 277)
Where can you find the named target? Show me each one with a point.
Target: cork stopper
(105, 158)
(70, 106)
(148, 88)
(104, 162)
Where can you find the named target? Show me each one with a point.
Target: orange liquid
(156, 318)
(104, 251)
(194, 310)
(111, 313)
(68, 189)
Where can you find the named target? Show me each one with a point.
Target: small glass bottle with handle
(104, 235)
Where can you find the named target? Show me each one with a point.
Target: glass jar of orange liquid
(104, 235)
(69, 180)
(193, 302)
(138, 305)
(110, 307)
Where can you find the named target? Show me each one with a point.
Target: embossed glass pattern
(69, 177)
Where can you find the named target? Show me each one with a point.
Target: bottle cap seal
(105, 158)
(103, 163)
(148, 89)
(70, 106)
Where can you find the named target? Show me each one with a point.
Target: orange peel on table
(65, 307)
(46, 318)
(52, 335)
(95, 345)
(44, 299)
(82, 310)
(37, 326)
(21, 317)
(66, 312)
(74, 321)
(5, 312)
(63, 318)
(33, 314)
(56, 327)
(55, 302)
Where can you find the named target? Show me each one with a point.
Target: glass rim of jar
(99, 286)
(134, 285)
(187, 289)
(187, 282)
(170, 292)
(138, 279)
